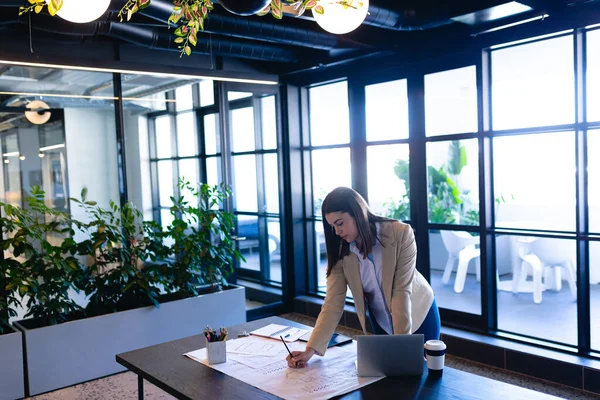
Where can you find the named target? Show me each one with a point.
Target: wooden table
(166, 367)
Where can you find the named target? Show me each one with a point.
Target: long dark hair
(343, 199)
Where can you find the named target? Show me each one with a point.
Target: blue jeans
(430, 328)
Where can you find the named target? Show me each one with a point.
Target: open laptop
(390, 355)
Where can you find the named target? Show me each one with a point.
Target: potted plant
(11, 276)
(138, 293)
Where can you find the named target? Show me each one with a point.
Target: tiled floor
(124, 385)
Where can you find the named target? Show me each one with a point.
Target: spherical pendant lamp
(244, 7)
(82, 11)
(341, 16)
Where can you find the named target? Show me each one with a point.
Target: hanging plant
(38, 5)
(276, 8)
(192, 13)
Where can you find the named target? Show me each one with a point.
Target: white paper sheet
(255, 346)
(289, 333)
(324, 377)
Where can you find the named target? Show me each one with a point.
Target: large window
(534, 183)
(256, 185)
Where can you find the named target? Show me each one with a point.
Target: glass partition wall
(130, 137)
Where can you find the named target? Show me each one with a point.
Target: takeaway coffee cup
(435, 351)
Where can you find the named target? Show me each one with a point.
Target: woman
(375, 257)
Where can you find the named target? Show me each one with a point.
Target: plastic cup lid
(435, 345)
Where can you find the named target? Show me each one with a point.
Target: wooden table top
(165, 366)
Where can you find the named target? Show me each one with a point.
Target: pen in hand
(287, 348)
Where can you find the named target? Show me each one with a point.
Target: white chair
(544, 256)
(461, 247)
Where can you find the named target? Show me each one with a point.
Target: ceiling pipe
(161, 39)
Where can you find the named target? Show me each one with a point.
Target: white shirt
(370, 276)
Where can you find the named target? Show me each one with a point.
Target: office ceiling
(293, 43)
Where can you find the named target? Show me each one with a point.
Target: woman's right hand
(300, 358)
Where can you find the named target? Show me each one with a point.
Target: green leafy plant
(203, 244)
(46, 269)
(118, 242)
(37, 6)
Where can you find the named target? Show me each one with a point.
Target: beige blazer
(404, 288)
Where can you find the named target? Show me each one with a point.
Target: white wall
(92, 157)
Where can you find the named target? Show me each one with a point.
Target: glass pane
(237, 95)
(165, 182)
(242, 129)
(183, 97)
(166, 219)
(188, 169)
(213, 170)
(212, 140)
(595, 294)
(248, 229)
(325, 178)
(186, 135)
(329, 114)
(593, 75)
(163, 137)
(451, 101)
(271, 179)
(52, 156)
(593, 146)
(207, 94)
(274, 235)
(536, 288)
(387, 168)
(386, 107)
(533, 84)
(453, 182)
(532, 185)
(454, 257)
(269, 123)
(244, 176)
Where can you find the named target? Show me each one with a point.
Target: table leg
(140, 388)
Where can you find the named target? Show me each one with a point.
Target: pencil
(287, 348)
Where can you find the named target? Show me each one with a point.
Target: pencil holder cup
(216, 352)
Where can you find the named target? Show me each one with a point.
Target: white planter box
(78, 351)
(11, 366)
